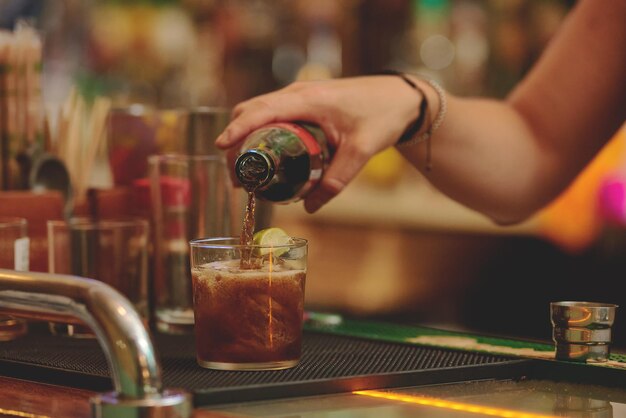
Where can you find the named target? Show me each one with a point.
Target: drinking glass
(248, 318)
(190, 199)
(14, 253)
(114, 251)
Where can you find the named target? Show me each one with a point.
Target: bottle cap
(254, 168)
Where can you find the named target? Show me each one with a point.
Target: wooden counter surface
(20, 398)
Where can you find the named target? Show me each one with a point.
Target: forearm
(487, 157)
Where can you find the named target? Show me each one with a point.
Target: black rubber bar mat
(330, 364)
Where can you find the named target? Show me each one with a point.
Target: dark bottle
(281, 162)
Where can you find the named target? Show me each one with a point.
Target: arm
(505, 159)
(508, 159)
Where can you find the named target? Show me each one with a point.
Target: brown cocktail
(248, 318)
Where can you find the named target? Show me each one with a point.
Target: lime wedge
(271, 237)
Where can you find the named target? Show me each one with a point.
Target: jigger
(581, 331)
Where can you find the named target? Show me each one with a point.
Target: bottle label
(313, 147)
(316, 174)
(21, 251)
(293, 143)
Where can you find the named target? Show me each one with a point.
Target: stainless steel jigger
(582, 330)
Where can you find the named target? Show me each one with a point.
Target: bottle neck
(255, 168)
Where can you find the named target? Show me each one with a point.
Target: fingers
(345, 165)
(245, 122)
(260, 111)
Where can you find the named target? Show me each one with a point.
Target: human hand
(360, 116)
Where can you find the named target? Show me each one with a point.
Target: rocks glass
(248, 319)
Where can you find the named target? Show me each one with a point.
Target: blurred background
(390, 247)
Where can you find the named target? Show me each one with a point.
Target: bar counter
(349, 367)
(355, 369)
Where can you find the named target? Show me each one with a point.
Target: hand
(360, 117)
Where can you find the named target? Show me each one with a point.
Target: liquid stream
(248, 260)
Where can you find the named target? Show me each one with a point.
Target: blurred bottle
(282, 162)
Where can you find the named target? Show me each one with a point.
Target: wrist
(432, 111)
(436, 110)
(414, 111)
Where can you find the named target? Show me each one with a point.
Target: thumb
(345, 165)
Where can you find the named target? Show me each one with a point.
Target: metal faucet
(135, 369)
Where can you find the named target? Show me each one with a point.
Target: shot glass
(248, 319)
(582, 330)
(190, 199)
(14, 253)
(114, 251)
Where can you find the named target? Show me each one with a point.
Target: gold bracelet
(426, 136)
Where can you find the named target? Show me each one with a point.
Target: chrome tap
(135, 369)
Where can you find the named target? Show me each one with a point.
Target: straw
(73, 139)
(63, 124)
(96, 134)
(4, 61)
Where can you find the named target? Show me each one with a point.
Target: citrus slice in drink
(274, 240)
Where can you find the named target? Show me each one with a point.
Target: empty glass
(114, 251)
(190, 199)
(14, 255)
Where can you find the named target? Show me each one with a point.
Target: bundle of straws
(24, 129)
(80, 137)
(21, 115)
